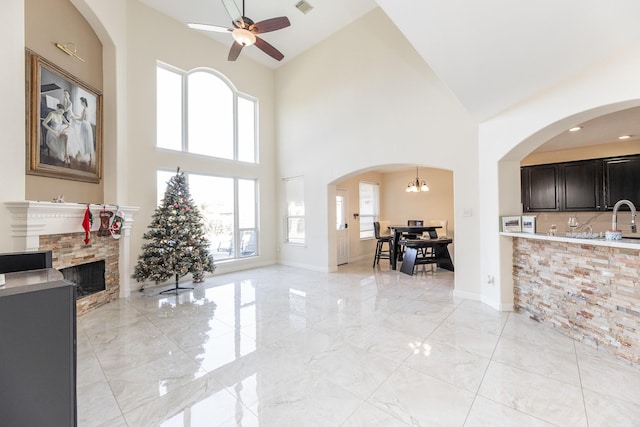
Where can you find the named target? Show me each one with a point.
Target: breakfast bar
(589, 289)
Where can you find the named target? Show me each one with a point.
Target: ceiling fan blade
(269, 49)
(207, 27)
(234, 13)
(270, 25)
(234, 52)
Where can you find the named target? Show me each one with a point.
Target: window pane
(168, 109)
(340, 212)
(294, 190)
(248, 243)
(246, 130)
(295, 228)
(294, 196)
(214, 198)
(366, 227)
(246, 203)
(210, 110)
(368, 199)
(369, 208)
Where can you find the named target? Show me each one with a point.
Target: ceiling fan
(245, 31)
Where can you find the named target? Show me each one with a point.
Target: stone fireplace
(41, 226)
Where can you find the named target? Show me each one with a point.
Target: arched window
(200, 112)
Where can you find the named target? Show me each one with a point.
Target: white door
(341, 227)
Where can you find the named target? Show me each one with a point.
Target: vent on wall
(304, 7)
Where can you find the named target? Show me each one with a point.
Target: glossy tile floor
(281, 346)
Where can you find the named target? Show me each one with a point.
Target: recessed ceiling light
(575, 128)
(624, 137)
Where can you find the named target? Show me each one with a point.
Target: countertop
(623, 243)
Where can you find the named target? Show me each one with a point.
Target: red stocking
(86, 225)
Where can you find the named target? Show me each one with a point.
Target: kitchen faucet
(614, 218)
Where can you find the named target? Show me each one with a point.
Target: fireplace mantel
(31, 219)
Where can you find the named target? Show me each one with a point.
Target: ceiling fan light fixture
(244, 37)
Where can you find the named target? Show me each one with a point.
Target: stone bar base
(587, 291)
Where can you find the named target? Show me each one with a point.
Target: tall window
(294, 197)
(229, 212)
(369, 208)
(200, 112)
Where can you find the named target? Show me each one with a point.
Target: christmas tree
(177, 243)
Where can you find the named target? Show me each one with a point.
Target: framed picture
(64, 123)
(511, 224)
(528, 224)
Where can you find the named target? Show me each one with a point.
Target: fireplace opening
(89, 277)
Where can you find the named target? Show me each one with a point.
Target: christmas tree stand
(174, 289)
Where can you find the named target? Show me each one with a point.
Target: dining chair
(381, 239)
(413, 223)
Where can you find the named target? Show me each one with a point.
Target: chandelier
(416, 187)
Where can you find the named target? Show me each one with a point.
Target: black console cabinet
(37, 350)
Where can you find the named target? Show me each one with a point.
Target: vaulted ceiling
(491, 54)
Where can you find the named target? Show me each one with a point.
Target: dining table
(439, 245)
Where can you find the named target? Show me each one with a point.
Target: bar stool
(381, 253)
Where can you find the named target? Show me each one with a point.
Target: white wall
(506, 139)
(12, 143)
(108, 20)
(344, 107)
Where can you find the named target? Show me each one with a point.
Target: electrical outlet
(490, 280)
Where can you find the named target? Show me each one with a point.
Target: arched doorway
(395, 204)
(508, 201)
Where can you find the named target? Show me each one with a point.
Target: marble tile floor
(282, 346)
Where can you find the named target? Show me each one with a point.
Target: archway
(396, 205)
(509, 197)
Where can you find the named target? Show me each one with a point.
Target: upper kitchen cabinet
(571, 186)
(622, 180)
(540, 188)
(581, 185)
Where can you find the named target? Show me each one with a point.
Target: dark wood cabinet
(569, 186)
(581, 185)
(540, 188)
(622, 180)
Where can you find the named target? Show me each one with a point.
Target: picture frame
(528, 224)
(511, 224)
(64, 123)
